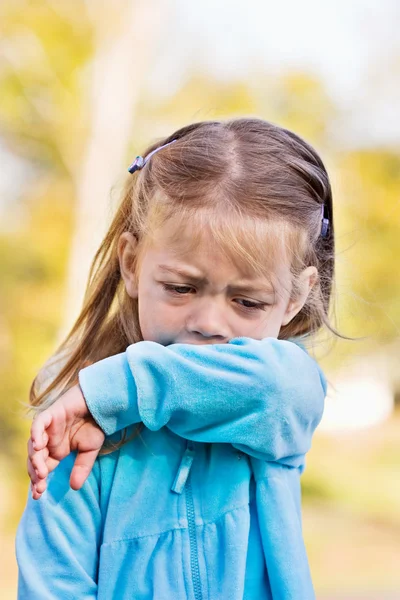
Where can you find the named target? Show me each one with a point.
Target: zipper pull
(183, 471)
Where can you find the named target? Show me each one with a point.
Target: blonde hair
(248, 180)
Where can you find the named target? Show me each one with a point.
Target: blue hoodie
(204, 504)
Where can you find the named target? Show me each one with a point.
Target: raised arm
(265, 397)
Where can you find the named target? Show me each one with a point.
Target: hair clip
(140, 162)
(325, 223)
(137, 164)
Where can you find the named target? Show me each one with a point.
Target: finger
(58, 443)
(40, 486)
(51, 464)
(38, 460)
(35, 494)
(31, 471)
(83, 465)
(40, 423)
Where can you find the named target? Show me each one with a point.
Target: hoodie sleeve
(58, 539)
(265, 397)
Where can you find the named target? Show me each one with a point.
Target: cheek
(272, 323)
(158, 321)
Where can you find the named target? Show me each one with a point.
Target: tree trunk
(125, 40)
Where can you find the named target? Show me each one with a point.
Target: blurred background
(84, 86)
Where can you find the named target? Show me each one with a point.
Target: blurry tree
(76, 142)
(369, 189)
(44, 49)
(297, 101)
(124, 41)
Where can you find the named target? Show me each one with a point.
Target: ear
(127, 251)
(306, 280)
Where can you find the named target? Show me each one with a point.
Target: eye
(178, 290)
(249, 305)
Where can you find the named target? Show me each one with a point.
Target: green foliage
(296, 101)
(46, 46)
(368, 226)
(41, 78)
(32, 273)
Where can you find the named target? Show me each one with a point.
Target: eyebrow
(201, 279)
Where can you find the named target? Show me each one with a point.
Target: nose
(207, 319)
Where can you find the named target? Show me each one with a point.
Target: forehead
(248, 251)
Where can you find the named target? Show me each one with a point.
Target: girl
(188, 352)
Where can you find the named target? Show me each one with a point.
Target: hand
(65, 426)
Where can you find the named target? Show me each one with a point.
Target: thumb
(81, 470)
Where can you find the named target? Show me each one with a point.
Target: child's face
(202, 297)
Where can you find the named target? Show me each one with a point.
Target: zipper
(183, 481)
(183, 470)
(194, 559)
